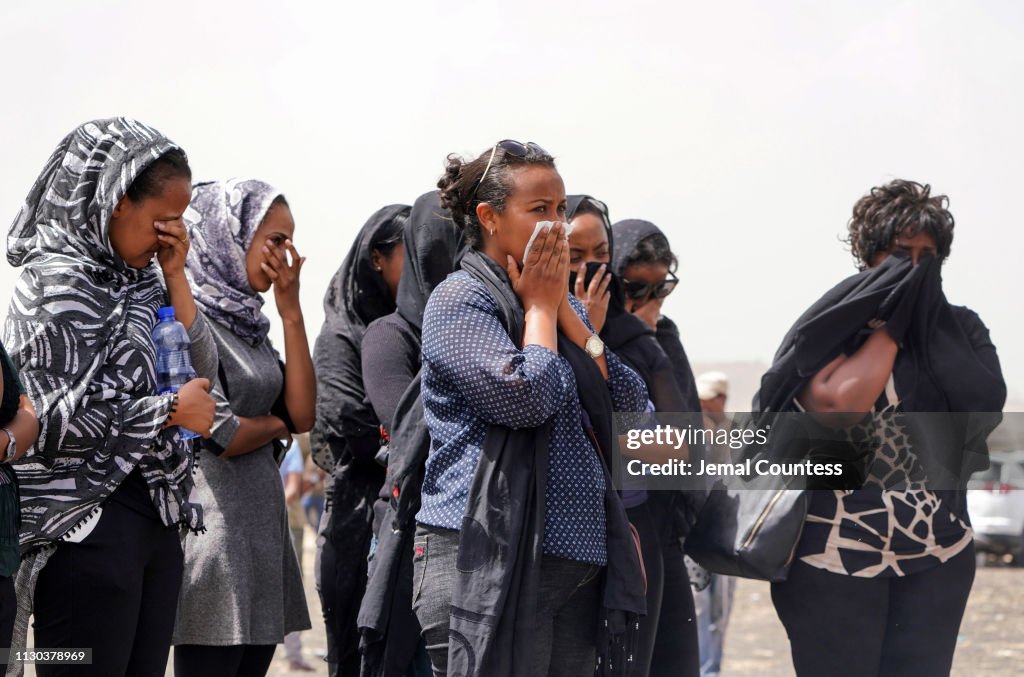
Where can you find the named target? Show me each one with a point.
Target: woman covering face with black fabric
(346, 436)
(105, 492)
(243, 591)
(591, 252)
(882, 573)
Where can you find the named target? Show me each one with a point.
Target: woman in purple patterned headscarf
(242, 591)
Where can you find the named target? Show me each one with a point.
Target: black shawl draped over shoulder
(946, 363)
(495, 593)
(356, 296)
(390, 631)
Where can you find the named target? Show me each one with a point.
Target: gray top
(242, 583)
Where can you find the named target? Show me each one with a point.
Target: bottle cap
(166, 313)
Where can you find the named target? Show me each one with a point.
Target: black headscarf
(357, 292)
(628, 235)
(356, 296)
(433, 245)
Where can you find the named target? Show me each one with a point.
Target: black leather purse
(747, 531)
(750, 527)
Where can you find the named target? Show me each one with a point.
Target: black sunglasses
(642, 290)
(511, 147)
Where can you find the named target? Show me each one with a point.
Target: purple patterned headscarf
(222, 221)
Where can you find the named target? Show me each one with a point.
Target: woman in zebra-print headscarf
(105, 491)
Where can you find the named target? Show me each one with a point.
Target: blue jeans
(714, 604)
(570, 600)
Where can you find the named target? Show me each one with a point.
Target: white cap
(711, 384)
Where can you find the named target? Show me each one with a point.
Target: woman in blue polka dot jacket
(477, 379)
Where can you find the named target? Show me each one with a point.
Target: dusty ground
(991, 641)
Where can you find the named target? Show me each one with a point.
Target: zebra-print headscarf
(222, 221)
(78, 330)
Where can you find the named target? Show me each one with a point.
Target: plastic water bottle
(173, 359)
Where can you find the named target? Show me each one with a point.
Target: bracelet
(174, 406)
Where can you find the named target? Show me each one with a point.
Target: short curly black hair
(899, 207)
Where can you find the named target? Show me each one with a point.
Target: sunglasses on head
(642, 290)
(511, 147)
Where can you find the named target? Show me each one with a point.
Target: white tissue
(541, 225)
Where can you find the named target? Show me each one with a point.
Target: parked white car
(995, 500)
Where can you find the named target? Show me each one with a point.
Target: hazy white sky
(745, 130)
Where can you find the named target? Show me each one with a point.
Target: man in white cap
(713, 389)
(714, 602)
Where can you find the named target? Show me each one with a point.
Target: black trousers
(676, 647)
(844, 625)
(116, 592)
(343, 545)
(195, 660)
(650, 546)
(8, 610)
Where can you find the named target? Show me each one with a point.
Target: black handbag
(750, 526)
(747, 531)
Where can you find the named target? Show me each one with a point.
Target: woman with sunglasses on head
(242, 591)
(105, 492)
(591, 252)
(346, 436)
(882, 572)
(523, 546)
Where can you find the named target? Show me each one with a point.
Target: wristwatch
(12, 446)
(594, 346)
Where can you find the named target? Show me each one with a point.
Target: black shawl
(433, 246)
(390, 631)
(493, 609)
(946, 364)
(356, 296)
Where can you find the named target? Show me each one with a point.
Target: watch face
(594, 346)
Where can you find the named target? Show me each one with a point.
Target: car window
(1013, 474)
(992, 474)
